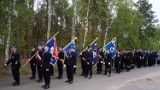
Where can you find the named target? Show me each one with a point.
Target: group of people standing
(123, 60)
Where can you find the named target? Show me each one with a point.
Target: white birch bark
(49, 18)
(74, 19)
(105, 37)
(8, 37)
(86, 26)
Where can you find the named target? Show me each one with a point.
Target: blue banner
(112, 48)
(95, 53)
(66, 49)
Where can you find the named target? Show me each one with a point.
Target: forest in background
(28, 22)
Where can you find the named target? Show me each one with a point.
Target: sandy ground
(137, 79)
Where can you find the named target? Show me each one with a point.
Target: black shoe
(16, 84)
(67, 81)
(59, 77)
(90, 77)
(47, 87)
(44, 86)
(85, 76)
(104, 74)
(32, 78)
(82, 75)
(109, 75)
(39, 81)
(71, 82)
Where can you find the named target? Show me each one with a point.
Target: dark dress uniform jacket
(15, 60)
(70, 59)
(33, 60)
(108, 58)
(61, 56)
(46, 60)
(89, 56)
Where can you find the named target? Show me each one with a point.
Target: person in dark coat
(60, 63)
(100, 62)
(15, 60)
(118, 61)
(89, 59)
(83, 62)
(139, 60)
(39, 63)
(122, 65)
(46, 66)
(108, 61)
(128, 56)
(33, 63)
(70, 62)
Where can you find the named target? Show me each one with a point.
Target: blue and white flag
(95, 53)
(111, 47)
(53, 50)
(73, 45)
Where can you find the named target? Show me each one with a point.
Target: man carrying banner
(33, 63)
(60, 63)
(100, 62)
(110, 53)
(108, 61)
(46, 66)
(39, 63)
(83, 62)
(69, 64)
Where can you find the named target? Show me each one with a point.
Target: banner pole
(37, 51)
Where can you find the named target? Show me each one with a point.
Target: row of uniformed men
(123, 60)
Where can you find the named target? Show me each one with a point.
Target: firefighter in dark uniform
(51, 70)
(108, 61)
(60, 63)
(122, 65)
(15, 60)
(139, 60)
(69, 64)
(46, 66)
(145, 58)
(33, 63)
(39, 63)
(89, 59)
(118, 61)
(128, 56)
(83, 62)
(100, 62)
(150, 56)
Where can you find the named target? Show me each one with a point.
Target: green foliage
(124, 18)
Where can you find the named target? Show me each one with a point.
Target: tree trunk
(49, 10)
(9, 33)
(105, 37)
(74, 19)
(86, 26)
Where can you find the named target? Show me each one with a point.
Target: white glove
(101, 61)
(5, 64)
(74, 66)
(64, 65)
(109, 63)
